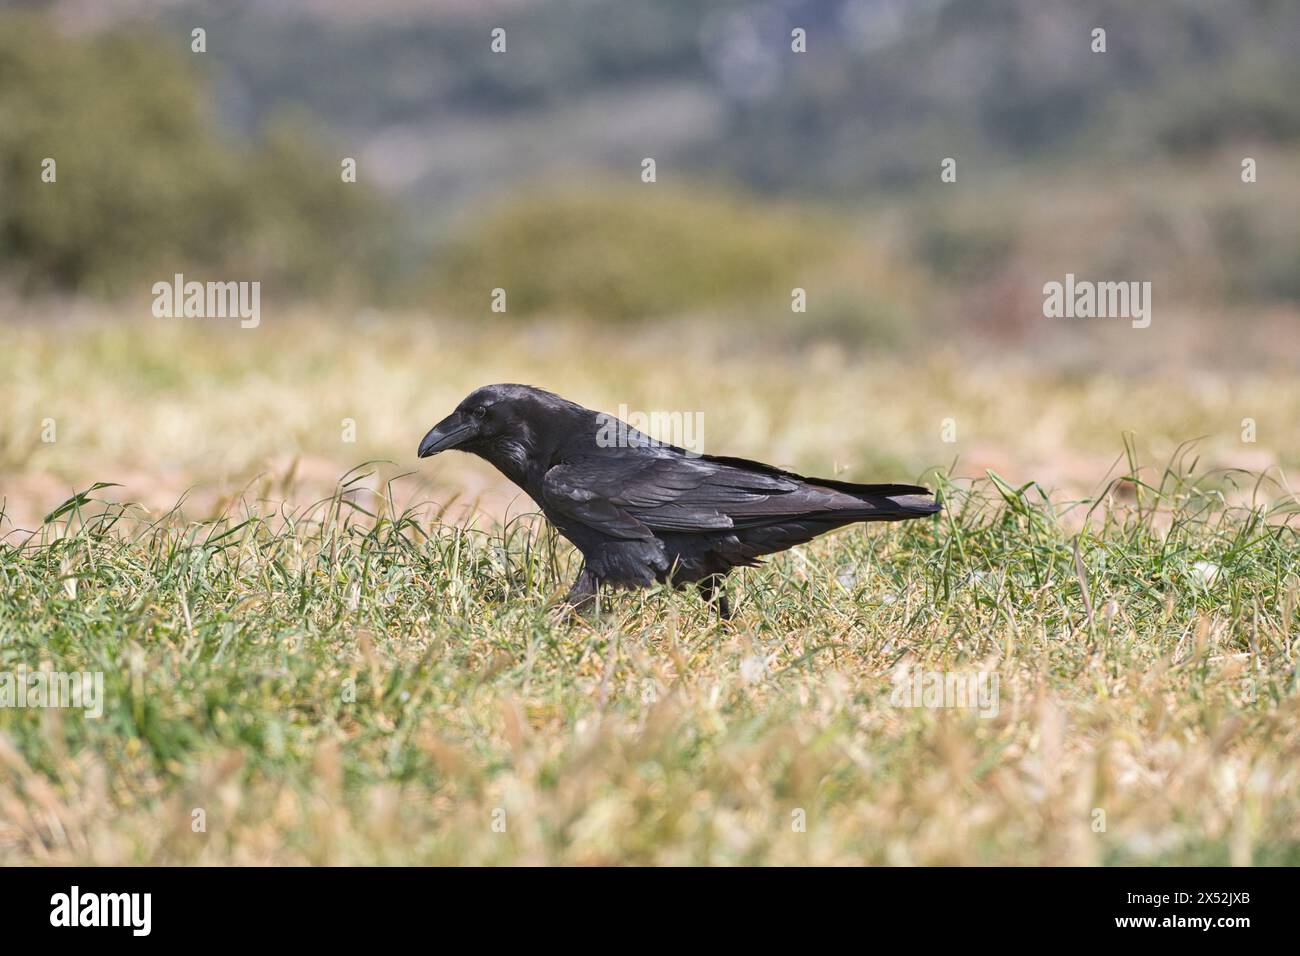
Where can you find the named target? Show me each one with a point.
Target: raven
(641, 511)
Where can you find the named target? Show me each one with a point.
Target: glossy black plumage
(641, 512)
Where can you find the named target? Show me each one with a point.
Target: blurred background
(923, 344)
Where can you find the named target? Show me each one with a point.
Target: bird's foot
(724, 606)
(563, 612)
(581, 601)
(711, 590)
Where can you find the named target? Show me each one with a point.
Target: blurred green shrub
(961, 249)
(1259, 251)
(145, 187)
(620, 254)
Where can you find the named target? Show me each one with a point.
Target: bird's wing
(580, 492)
(630, 497)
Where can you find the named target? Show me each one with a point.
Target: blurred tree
(626, 254)
(618, 254)
(144, 187)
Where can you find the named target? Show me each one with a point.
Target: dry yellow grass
(166, 407)
(396, 692)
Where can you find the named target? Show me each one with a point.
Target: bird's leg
(582, 596)
(711, 589)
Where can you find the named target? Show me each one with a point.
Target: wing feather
(631, 497)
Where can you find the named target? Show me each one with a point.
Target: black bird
(641, 511)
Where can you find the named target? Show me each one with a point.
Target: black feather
(643, 512)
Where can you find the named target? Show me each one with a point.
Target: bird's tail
(886, 502)
(915, 506)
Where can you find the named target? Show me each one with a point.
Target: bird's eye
(480, 412)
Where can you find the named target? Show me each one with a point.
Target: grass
(354, 683)
(367, 670)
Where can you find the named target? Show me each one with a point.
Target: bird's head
(506, 424)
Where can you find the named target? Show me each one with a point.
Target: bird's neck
(520, 464)
(526, 455)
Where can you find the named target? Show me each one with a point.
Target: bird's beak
(448, 433)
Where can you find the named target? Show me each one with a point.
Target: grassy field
(346, 663)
